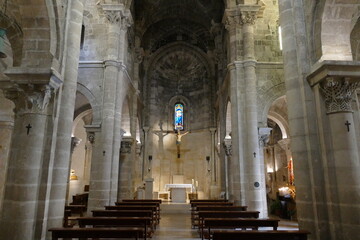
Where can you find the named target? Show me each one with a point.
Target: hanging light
(2, 43)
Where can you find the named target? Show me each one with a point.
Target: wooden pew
(221, 223)
(259, 235)
(76, 209)
(225, 214)
(153, 208)
(208, 200)
(195, 205)
(85, 233)
(141, 222)
(141, 203)
(142, 200)
(126, 213)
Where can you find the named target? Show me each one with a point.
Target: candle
(192, 181)
(196, 183)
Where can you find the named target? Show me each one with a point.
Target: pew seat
(141, 222)
(134, 233)
(210, 224)
(259, 235)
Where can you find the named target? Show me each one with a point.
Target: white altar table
(178, 191)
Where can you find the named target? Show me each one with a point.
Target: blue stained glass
(179, 117)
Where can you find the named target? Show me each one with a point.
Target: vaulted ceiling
(160, 22)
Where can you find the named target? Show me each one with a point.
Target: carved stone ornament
(264, 134)
(231, 22)
(338, 94)
(248, 17)
(91, 137)
(113, 16)
(228, 147)
(125, 147)
(29, 98)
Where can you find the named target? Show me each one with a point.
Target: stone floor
(175, 223)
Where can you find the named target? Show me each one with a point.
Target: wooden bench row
(132, 219)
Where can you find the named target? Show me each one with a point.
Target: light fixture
(72, 175)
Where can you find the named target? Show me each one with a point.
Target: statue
(179, 136)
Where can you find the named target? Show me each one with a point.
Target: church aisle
(175, 226)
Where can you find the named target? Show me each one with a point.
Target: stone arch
(267, 97)
(95, 105)
(14, 35)
(337, 22)
(355, 41)
(278, 113)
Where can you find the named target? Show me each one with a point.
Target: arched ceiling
(160, 22)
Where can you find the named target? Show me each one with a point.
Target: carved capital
(126, 145)
(91, 137)
(338, 94)
(231, 22)
(31, 98)
(264, 134)
(248, 17)
(228, 146)
(118, 15)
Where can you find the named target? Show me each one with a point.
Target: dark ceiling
(161, 22)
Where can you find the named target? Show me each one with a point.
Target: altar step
(169, 207)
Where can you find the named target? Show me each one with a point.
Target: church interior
(254, 102)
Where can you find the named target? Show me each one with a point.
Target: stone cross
(28, 129)
(348, 125)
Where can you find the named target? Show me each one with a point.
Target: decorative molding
(30, 98)
(228, 146)
(126, 145)
(338, 94)
(248, 17)
(264, 134)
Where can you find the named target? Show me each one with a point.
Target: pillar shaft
(105, 161)
(24, 195)
(59, 177)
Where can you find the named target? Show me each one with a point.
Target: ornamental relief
(338, 94)
(31, 99)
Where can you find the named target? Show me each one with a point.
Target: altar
(178, 192)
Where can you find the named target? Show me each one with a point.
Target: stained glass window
(179, 117)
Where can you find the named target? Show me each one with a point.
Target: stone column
(60, 165)
(228, 153)
(236, 175)
(337, 81)
(145, 163)
(105, 163)
(126, 188)
(264, 134)
(29, 156)
(6, 130)
(253, 172)
(311, 203)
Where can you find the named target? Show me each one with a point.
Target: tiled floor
(175, 223)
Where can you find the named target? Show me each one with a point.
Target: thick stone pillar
(29, 154)
(337, 81)
(236, 174)
(105, 161)
(311, 203)
(60, 164)
(256, 190)
(6, 130)
(126, 188)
